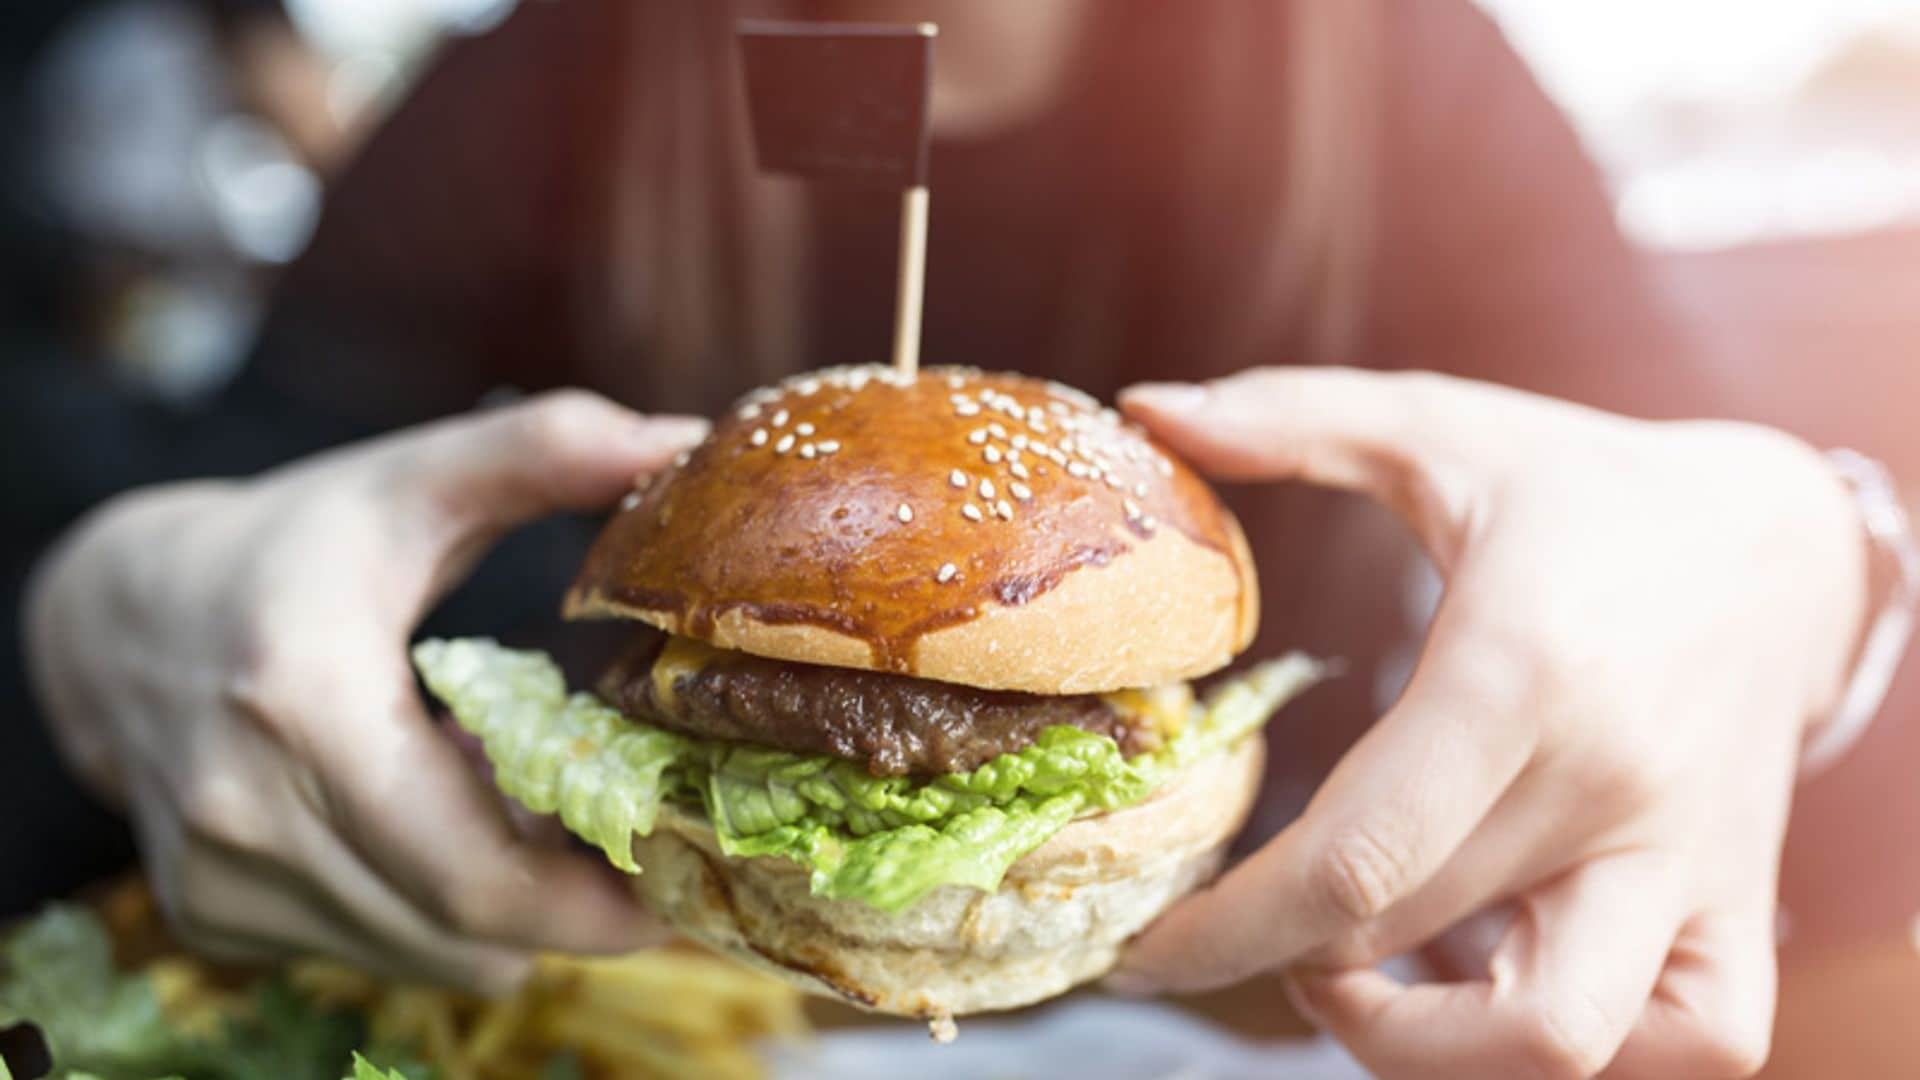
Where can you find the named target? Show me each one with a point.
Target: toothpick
(913, 279)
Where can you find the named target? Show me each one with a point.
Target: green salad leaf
(367, 1070)
(885, 841)
(59, 974)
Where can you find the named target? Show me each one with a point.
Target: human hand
(230, 659)
(1640, 622)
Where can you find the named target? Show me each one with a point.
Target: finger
(305, 895)
(566, 450)
(404, 796)
(1394, 810)
(1536, 831)
(1712, 1012)
(252, 911)
(1564, 989)
(1414, 441)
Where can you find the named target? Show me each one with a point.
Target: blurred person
(1644, 619)
(123, 304)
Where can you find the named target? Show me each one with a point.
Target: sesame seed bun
(985, 529)
(1061, 917)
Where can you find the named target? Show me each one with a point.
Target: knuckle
(559, 419)
(1735, 1055)
(1730, 1046)
(221, 809)
(1569, 1037)
(473, 907)
(1619, 779)
(1361, 873)
(263, 687)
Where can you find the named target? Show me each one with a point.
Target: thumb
(477, 476)
(1418, 442)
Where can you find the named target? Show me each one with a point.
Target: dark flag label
(844, 102)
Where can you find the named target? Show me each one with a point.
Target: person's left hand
(1641, 620)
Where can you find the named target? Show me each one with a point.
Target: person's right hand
(229, 658)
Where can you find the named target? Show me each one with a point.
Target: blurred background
(179, 148)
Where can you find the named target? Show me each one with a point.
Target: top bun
(985, 529)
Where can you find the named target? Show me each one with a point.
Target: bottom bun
(1060, 918)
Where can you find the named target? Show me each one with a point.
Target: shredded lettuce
(885, 841)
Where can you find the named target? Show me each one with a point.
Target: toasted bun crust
(1059, 919)
(985, 529)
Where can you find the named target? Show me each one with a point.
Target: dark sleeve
(446, 258)
(1496, 254)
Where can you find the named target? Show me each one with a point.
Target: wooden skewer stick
(913, 279)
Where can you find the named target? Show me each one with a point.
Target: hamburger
(908, 716)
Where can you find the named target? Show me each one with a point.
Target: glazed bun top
(986, 529)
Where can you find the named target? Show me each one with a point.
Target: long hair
(1232, 142)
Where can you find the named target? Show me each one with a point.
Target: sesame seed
(807, 450)
(829, 446)
(971, 512)
(1038, 425)
(986, 489)
(958, 399)
(947, 570)
(809, 388)
(750, 411)
(1020, 491)
(1140, 489)
(803, 429)
(1077, 470)
(994, 429)
(680, 459)
(1149, 522)
(780, 418)
(1066, 445)
(992, 454)
(1163, 466)
(957, 478)
(1004, 509)
(1019, 442)
(905, 513)
(759, 437)
(785, 444)
(1019, 470)
(966, 409)
(956, 381)
(631, 500)
(1132, 508)
(978, 436)
(1040, 448)
(1114, 482)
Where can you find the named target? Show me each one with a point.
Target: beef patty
(895, 725)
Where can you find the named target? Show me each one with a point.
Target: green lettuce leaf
(885, 841)
(59, 974)
(367, 1070)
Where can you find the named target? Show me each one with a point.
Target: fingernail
(1297, 997)
(676, 429)
(1127, 982)
(1167, 397)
